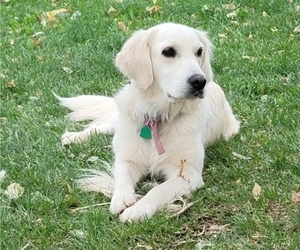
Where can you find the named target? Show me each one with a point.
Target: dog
(162, 121)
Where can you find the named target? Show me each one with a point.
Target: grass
(256, 61)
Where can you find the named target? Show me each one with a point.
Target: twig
(27, 245)
(87, 207)
(181, 167)
(184, 208)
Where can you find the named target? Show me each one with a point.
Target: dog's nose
(197, 81)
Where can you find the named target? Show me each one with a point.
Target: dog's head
(172, 56)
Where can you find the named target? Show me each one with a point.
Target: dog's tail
(96, 181)
(89, 107)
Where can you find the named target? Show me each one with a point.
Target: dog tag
(146, 133)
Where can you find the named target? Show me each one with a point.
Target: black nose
(197, 81)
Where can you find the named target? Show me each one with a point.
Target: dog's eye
(169, 52)
(199, 52)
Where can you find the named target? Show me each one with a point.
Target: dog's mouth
(189, 96)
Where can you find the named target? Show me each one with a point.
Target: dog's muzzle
(197, 82)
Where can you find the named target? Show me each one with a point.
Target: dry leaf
(112, 9)
(50, 16)
(11, 84)
(205, 8)
(11, 41)
(238, 181)
(222, 36)
(153, 9)
(250, 37)
(14, 191)
(256, 191)
(295, 197)
(36, 42)
(232, 15)
(122, 26)
(75, 15)
(67, 70)
(229, 6)
(255, 237)
(274, 29)
(265, 14)
(92, 159)
(297, 29)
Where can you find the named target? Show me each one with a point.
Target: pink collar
(150, 129)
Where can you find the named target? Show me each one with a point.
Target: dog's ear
(134, 59)
(207, 55)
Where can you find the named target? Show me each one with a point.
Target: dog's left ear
(134, 59)
(207, 55)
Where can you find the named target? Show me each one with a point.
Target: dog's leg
(126, 176)
(161, 195)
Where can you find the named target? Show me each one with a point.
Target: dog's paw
(71, 137)
(122, 200)
(137, 212)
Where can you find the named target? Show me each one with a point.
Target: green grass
(260, 77)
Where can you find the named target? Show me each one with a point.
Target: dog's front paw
(122, 200)
(137, 212)
(71, 137)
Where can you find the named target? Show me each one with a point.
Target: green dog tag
(146, 133)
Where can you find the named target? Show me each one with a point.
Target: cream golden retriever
(162, 120)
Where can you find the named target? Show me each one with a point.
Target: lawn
(256, 61)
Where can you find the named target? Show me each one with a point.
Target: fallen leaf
(295, 197)
(122, 26)
(297, 29)
(11, 41)
(265, 14)
(67, 70)
(11, 84)
(153, 9)
(112, 9)
(255, 237)
(250, 37)
(232, 15)
(14, 191)
(36, 42)
(274, 29)
(50, 16)
(229, 6)
(205, 8)
(222, 36)
(238, 181)
(75, 15)
(256, 191)
(78, 233)
(92, 159)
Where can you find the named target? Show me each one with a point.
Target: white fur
(159, 88)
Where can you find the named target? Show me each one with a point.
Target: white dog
(162, 121)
